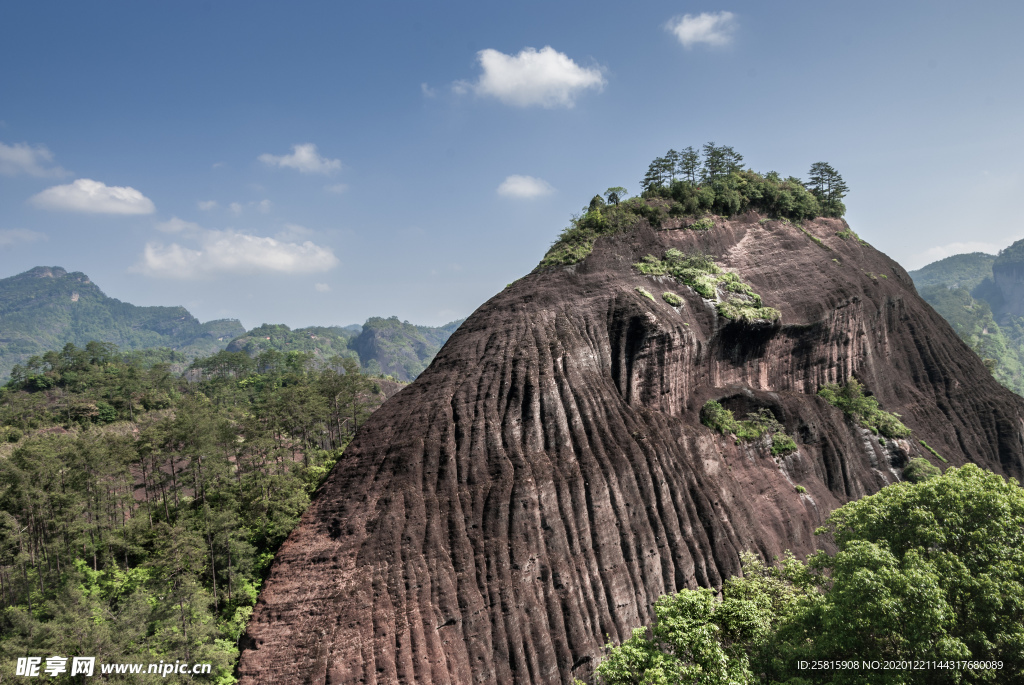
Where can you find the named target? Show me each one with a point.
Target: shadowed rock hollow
(547, 477)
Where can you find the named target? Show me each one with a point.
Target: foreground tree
(931, 572)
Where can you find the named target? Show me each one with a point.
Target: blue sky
(319, 163)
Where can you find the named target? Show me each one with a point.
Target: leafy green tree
(930, 572)
(615, 194)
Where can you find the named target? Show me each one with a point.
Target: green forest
(140, 510)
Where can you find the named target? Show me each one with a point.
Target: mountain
(982, 297)
(550, 474)
(382, 346)
(47, 307)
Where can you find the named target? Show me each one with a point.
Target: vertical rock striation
(547, 477)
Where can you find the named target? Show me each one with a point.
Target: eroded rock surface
(547, 478)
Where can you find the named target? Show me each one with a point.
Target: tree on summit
(828, 186)
(689, 164)
(615, 194)
(720, 160)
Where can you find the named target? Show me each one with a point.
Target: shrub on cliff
(864, 409)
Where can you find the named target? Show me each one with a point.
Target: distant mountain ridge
(47, 307)
(982, 296)
(382, 346)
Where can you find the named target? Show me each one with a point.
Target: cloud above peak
(213, 253)
(524, 187)
(93, 197)
(544, 77)
(710, 28)
(304, 158)
(22, 158)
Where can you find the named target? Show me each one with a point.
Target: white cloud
(713, 28)
(542, 77)
(229, 252)
(93, 197)
(934, 254)
(263, 206)
(524, 187)
(235, 208)
(322, 288)
(207, 205)
(303, 158)
(427, 90)
(337, 188)
(15, 236)
(22, 158)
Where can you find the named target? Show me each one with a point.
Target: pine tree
(689, 164)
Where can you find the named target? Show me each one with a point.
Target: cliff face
(547, 477)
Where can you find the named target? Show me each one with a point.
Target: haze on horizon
(320, 164)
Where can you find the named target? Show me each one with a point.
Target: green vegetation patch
(864, 409)
(932, 450)
(704, 224)
(672, 299)
(817, 240)
(643, 291)
(734, 299)
(576, 241)
(920, 470)
(754, 427)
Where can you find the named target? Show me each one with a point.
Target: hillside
(47, 307)
(982, 297)
(382, 346)
(578, 448)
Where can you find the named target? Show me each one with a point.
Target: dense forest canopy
(140, 510)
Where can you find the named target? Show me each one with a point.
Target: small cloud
(215, 253)
(263, 206)
(293, 232)
(322, 288)
(22, 158)
(207, 205)
(303, 158)
(712, 28)
(934, 254)
(428, 91)
(337, 188)
(17, 236)
(93, 197)
(542, 77)
(217, 165)
(176, 225)
(524, 187)
(235, 208)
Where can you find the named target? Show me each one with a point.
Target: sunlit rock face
(547, 477)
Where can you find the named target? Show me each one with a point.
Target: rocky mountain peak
(549, 475)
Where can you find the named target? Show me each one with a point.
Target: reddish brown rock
(547, 478)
